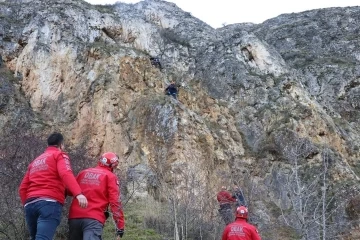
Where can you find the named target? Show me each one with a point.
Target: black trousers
(85, 229)
(227, 213)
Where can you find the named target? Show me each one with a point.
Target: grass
(135, 228)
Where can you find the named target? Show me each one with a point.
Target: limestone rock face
(253, 99)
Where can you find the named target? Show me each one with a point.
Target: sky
(216, 13)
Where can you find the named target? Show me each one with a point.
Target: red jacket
(225, 197)
(47, 176)
(240, 230)
(101, 188)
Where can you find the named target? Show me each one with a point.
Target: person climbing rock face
(172, 90)
(238, 196)
(226, 201)
(155, 61)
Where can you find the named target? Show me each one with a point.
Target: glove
(120, 232)
(107, 215)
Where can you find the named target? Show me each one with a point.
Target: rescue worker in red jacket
(226, 201)
(240, 229)
(42, 190)
(101, 186)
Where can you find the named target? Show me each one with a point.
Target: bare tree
(307, 187)
(188, 212)
(324, 193)
(17, 148)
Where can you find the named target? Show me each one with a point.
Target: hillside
(272, 107)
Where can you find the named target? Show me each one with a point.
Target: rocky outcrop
(253, 99)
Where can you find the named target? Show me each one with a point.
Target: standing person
(42, 190)
(172, 90)
(226, 200)
(239, 196)
(240, 229)
(101, 186)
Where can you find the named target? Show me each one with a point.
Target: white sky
(217, 12)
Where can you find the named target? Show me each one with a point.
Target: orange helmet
(242, 212)
(109, 159)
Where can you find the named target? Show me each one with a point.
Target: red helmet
(109, 159)
(242, 212)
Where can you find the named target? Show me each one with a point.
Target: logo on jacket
(38, 162)
(38, 165)
(92, 176)
(237, 230)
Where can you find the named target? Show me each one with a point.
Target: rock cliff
(272, 107)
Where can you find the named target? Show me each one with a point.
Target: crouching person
(101, 186)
